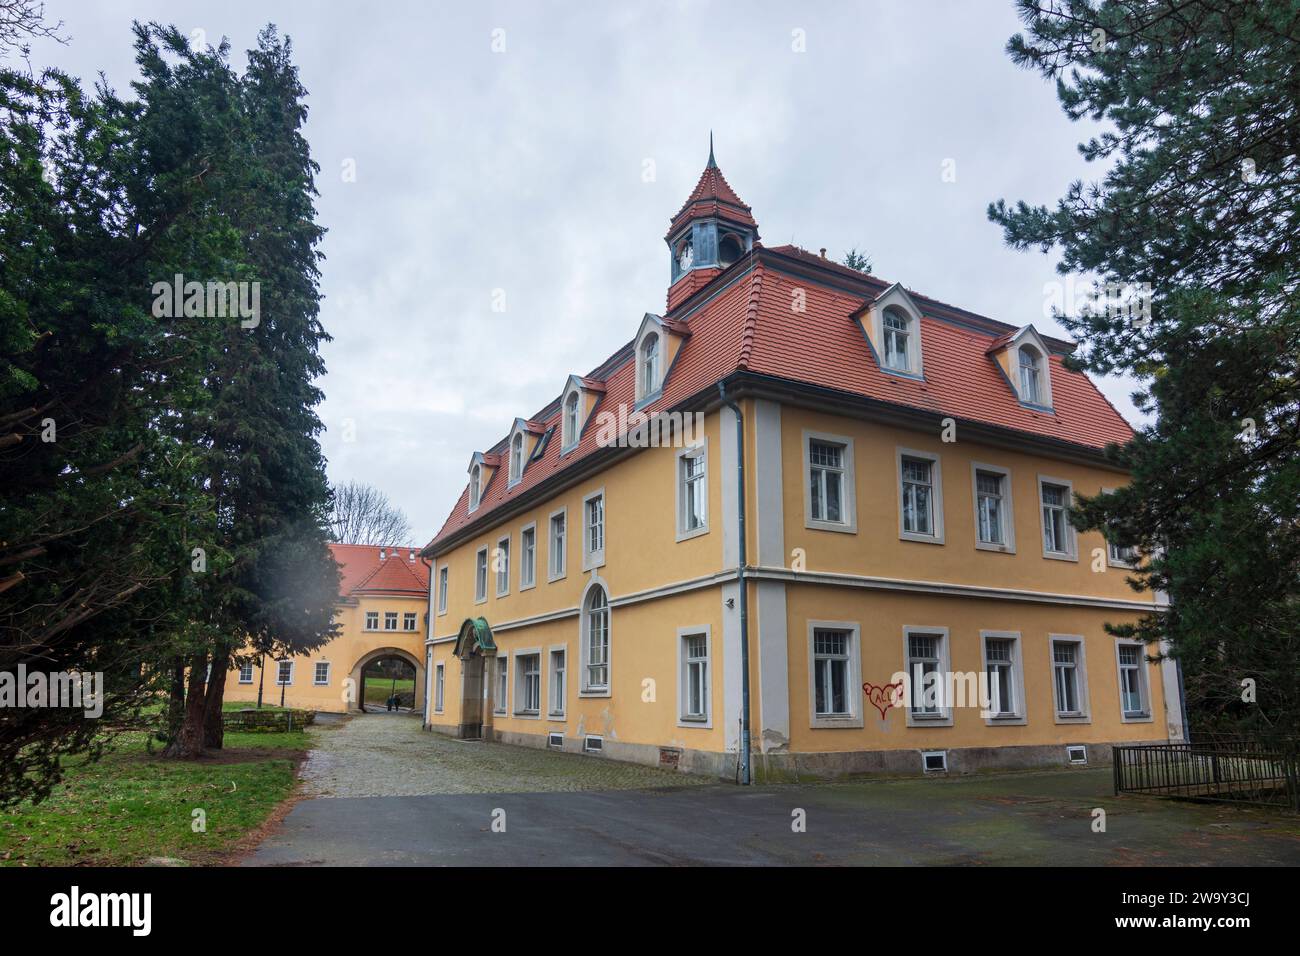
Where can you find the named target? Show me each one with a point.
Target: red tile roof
(713, 196)
(364, 573)
(742, 320)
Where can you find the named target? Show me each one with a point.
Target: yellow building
(381, 614)
(804, 508)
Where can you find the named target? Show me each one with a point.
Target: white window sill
(1137, 718)
(1073, 718)
(687, 535)
(995, 548)
(836, 722)
(695, 723)
(595, 693)
(938, 720)
(843, 527)
(527, 587)
(557, 718)
(920, 538)
(1060, 556)
(591, 561)
(1010, 720)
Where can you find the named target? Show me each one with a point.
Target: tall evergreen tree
(1200, 203)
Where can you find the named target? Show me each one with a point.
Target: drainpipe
(740, 581)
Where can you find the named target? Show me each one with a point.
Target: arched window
(649, 364)
(729, 250)
(475, 487)
(1031, 375)
(571, 419)
(898, 333)
(516, 457)
(595, 640)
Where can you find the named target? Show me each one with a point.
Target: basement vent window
(1076, 754)
(593, 745)
(934, 761)
(555, 740)
(670, 758)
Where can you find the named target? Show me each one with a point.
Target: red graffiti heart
(882, 698)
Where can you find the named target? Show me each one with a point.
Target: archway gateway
(474, 645)
(359, 678)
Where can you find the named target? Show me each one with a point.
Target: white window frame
(531, 581)
(1084, 716)
(503, 575)
(517, 462)
(1021, 715)
(414, 618)
(944, 717)
(649, 370)
(368, 615)
(475, 487)
(241, 677)
(936, 494)
(848, 493)
(552, 711)
(705, 721)
(569, 436)
(1008, 510)
(1036, 366)
(315, 674)
(594, 559)
(517, 676)
(1112, 557)
(1144, 682)
(391, 616)
(854, 717)
(501, 706)
(585, 689)
(1071, 536)
(444, 575)
(551, 573)
(292, 667)
(908, 332)
(481, 562)
(698, 451)
(439, 687)
(896, 297)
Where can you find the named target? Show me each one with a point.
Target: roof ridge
(750, 327)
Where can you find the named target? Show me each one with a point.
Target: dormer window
(516, 457)
(649, 364)
(475, 486)
(570, 427)
(1031, 375)
(897, 327)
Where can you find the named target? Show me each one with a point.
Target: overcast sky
(523, 169)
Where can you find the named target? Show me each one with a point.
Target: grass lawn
(130, 805)
(378, 688)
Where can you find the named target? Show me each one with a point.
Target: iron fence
(1223, 768)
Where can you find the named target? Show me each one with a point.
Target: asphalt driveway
(534, 808)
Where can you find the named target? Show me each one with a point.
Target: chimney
(381, 554)
(412, 556)
(823, 252)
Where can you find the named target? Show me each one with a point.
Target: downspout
(430, 610)
(745, 778)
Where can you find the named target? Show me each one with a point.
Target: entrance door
(471, 698)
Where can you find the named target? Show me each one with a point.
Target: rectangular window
(1132, 682)
(246, 673)
(593, 530)
(925, 673)
(527, 557)
(409, 620)
(695, 677)
(1000, 665)
(1066, 682)
(831, 673)
(990, 507)
(826, 481)
(480, 575)
(556, 706)
(501, 564)
(918, 497)
(442, 590)
(372, 620)
(503, 684)
(557, 545)
(439, 682)
(692, 493)
(284, 672)
(1057, 535)
(322, 675)
(528, 698)
(390, 620)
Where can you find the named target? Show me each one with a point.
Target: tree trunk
(176, 701)
(188, 741)
(213, 728)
